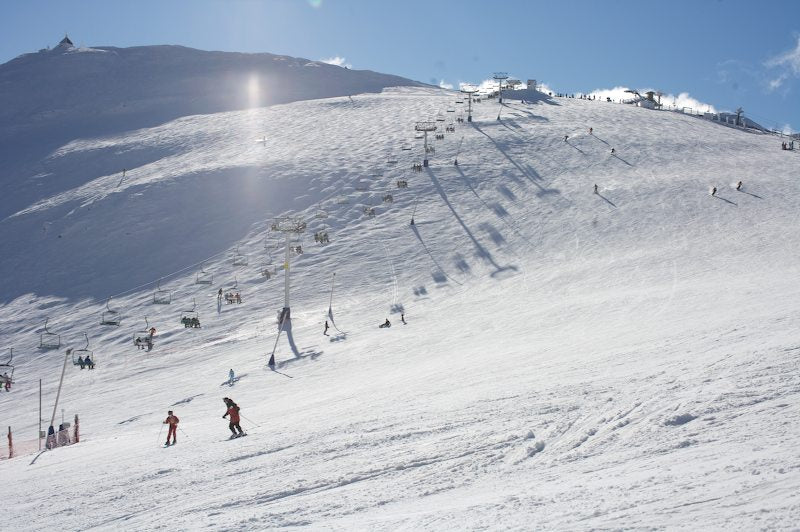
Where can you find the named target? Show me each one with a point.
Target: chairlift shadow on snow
(397, 308)
(309, 353)
(524, 171)
(598, 138)
(480, 250)
(577, 148)
(438, 275)
(339, 337)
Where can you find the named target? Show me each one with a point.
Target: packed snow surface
(571, 360)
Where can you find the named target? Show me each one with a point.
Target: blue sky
(726, 53)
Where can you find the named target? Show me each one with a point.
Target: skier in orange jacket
(172, 420)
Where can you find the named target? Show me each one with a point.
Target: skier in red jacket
(172, 420)
(233, 411)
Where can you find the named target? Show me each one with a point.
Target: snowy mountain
(571, 359)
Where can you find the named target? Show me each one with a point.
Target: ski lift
(418, 135)
(239, 259)
(162, 297)
(391, 159)
(343, 200)
(141, 335)
(234, 291)
(49, 340)
(451, 110)
(84, 354)
(321, 237)
(268, 271)
(7, 371)
(190, 318)
(440, 117)
(369, 211)
(204, 277)
(402, 183)
(459, 101)
(388, 198)
(110, 316)
(406, 147)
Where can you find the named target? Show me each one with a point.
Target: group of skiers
(787, 145)
(86, 362)
(714, 189)
(147, 341)
(231, 412)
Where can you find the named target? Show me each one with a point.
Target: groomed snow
(571, 360)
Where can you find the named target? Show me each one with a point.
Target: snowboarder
(739, 185)
(403, 318)
(231, 377)
(326, 328)
(595, 188)
(172, 420)
(713, 191)
(233, 411)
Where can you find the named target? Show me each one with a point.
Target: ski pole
(248, 419)
(180, 429)
(159, 432)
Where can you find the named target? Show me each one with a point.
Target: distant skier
(326, 328)
(612, 151)
(713, 191)
(231, 377)
(233, 412)
(590, 131)
(403, 319)
(739, 185)
(385, 325)
(566, 137)
(219, 296)
(595, 188)
(172, 420)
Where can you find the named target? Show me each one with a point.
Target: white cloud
(788, 63)
(787, 130)
(337, 61)
(444, 85)
(683, 99)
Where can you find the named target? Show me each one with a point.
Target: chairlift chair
(343, 200)
(391, 159)
(189, 316)
(142, 334)
(83, 353)
(362, 186)
(451, 110)
(162, 297)
(388, 198)
(239, 259)
(7, 370)
(321, 214)
(402, 183)
(110, 316)
(406, 147)
(49, 340)
(204, 277)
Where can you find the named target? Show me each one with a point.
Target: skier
(326, 328)
(595, 188)
(172, 420)
(566, 137)
(590, 131)
(233, 411)
(713, 191)
(385, 325)
(612, 151)
(231, 377)
(403, 318)
(219, 296)
(739, 185)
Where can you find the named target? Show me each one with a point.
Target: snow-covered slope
(571, 360)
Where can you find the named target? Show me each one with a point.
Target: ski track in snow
(577, 361)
